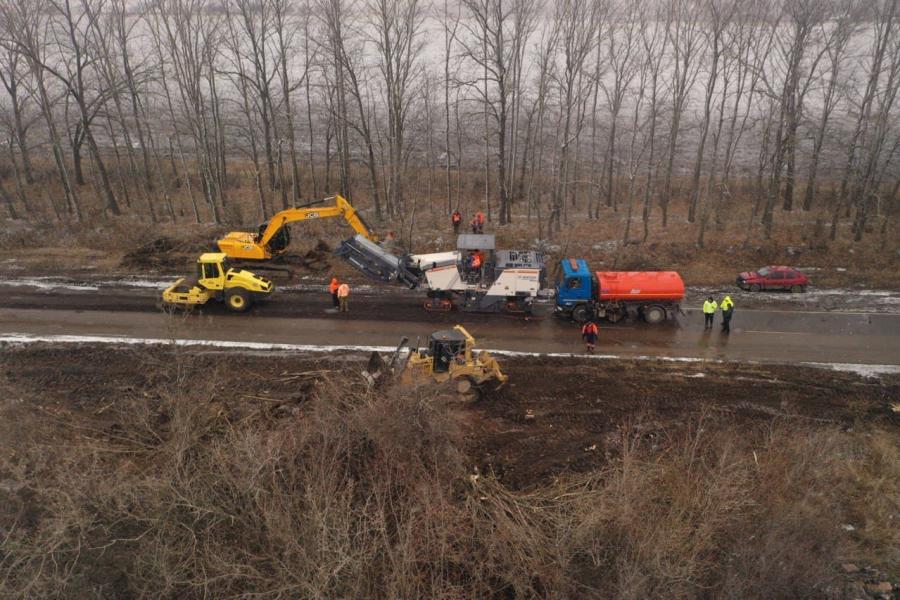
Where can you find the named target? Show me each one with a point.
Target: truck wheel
(755, 287)
(237, 300)
(581, 313)
(797, 289)
(654, 314)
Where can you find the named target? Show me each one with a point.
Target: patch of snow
(20, 338)
(25, 338)
(608, 245)
(863, 370)
(137, 283)
(47, 284)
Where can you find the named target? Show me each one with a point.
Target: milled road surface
(783, 336)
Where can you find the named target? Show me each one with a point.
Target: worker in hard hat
(456, 220)
(344, 297)
(333, 290)
(709, 312)
(589, 333)
(727, 312)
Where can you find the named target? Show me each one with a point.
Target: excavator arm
(263, 246)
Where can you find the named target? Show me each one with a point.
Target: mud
(555, 416)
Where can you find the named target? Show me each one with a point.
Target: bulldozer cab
(445, 347)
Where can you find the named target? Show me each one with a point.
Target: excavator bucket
(376, 262)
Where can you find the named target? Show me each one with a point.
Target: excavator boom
(260, 246)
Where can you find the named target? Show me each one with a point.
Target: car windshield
(765, 271)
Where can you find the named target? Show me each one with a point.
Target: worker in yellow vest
(709, 312)
(727, 312)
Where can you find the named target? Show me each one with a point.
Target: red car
(773, 278)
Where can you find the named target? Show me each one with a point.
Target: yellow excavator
(273, 237)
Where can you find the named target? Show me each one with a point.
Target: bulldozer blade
(375, 364)
(375, 370)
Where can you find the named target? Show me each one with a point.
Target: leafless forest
(553, 111)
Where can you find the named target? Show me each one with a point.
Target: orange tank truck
(631, 285)
(652, 296)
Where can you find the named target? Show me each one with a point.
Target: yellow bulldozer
(216, 280)
(448, 361)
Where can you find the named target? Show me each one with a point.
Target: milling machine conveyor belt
(376, 262)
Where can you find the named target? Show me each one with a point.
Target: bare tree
(26, 24)
(579, 25)
(491, 44)
(333, 15)
(882, 14)
(836, 38)
(186, 37)
(685, 37)
(397, 25)
(450, 25)
(622, 55)
(13, 75)
(285, 30)
(654, 40)
(878, 151)
(717, 14)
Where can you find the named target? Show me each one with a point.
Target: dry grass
(180, 491)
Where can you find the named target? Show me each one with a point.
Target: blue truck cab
(575, 286)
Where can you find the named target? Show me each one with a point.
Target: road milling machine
(216, 280)
(505, 281)
(449, 361)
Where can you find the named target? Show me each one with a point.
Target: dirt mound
(316, 259)
(159, 253)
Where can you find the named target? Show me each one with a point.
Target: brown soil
(559, 415)
(554, 416)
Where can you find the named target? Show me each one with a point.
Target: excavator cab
(280, 241)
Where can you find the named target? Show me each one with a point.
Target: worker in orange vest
(477, 259)
(343, 294)
(477, 222)
(456, 219)
(333, 289)
(589, 334)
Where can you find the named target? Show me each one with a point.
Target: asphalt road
(787, 336)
